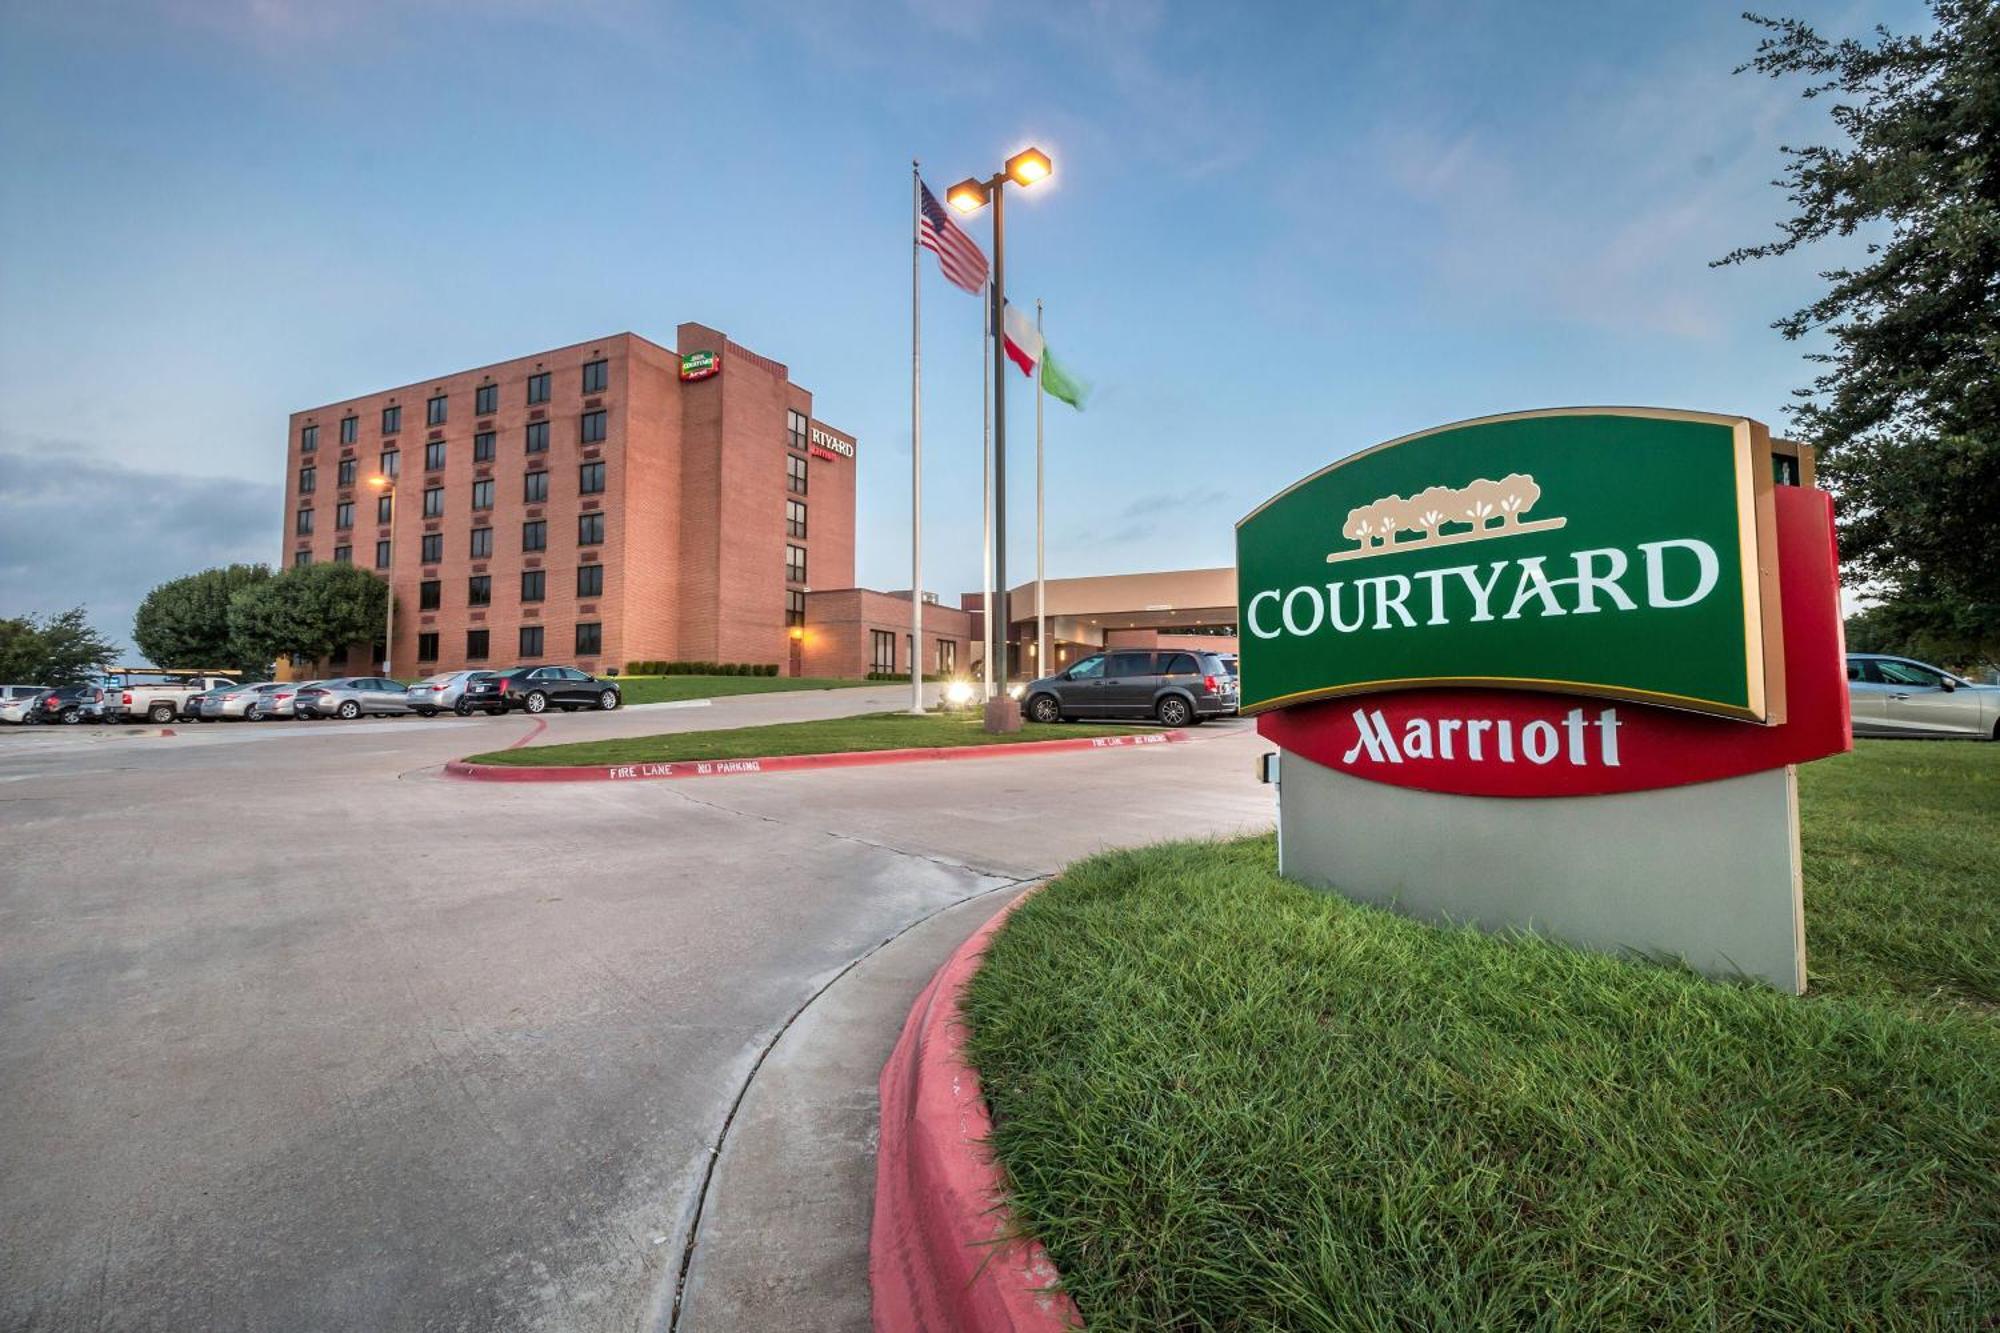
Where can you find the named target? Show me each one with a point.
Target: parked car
(1894, 696)
(1179, 688)
(160, 701)
(279, 698)
(435, 694)
(537, 689)
(351, 697)
(196, 707)
(239, 702)
(17, 702)
(68, 704)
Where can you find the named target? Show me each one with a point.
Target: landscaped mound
(1225, 1101)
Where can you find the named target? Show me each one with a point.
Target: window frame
(597, 375)
(595, 581)
(795, 526)
(876, 639)
(436, 409)
(521, 640)
(482, 494)
(538, 388)
(308, 439)
(795, 474)
(434, 456)
(433, 502)
(537, 430)
(308, 479)
(385, 553)
(345, 471)
(535, 486)
(479, 590)
(485, 400)
(479, 644)
(795, 563)
(540, 581)
(390, 462)
(591, 523)
(430, 595)
(596, 647)
(392, 420)
(477, 549)
(601, 419)
(588, 472)
(343, 516)
(430, 551)
(432, 654)
(538, 530)
(350, 429)
(485, 443)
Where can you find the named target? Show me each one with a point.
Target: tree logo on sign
(1481, 510)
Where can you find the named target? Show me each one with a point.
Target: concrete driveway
(295, 1034)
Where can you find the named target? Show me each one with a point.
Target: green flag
(1059, 383)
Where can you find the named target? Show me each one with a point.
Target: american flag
(962, 262)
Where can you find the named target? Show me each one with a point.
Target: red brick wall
(839, 621)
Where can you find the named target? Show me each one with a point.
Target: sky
(1275, 234)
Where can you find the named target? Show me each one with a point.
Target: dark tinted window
(595, 376)
(486, 399)
(538, 388)
(1181, 664)
(1130, 664)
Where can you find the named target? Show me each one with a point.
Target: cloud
(1144, 517)
(80, 531)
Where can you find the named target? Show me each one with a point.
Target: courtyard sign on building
(1552, 669)
(700, 365)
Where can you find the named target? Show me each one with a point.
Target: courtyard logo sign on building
(700, 365)
(824, 444)
(1552, 669)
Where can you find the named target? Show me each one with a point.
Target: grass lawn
(869, 731)
(1225, 1101)
(666, 689)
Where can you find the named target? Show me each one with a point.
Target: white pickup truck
(158, 701)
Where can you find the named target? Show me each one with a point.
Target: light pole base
(1003, 714)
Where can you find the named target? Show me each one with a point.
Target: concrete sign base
(1708, 873)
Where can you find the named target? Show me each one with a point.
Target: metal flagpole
(986, 501)
(1041, 619)
(916, 451)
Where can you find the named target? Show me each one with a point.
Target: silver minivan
(1894, 696)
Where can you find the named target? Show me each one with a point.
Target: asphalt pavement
(296, 1033)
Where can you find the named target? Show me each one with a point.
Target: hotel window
(482, 543)
(531, 640)
(589, 529)
(535, 535)
(350, 429)
(385, 508)
(589, 639)
(392, 420)
(427, 647)
(535, 487)
(435, 409)
(433, 548)
(479, 590)
(300, 559)
(590, 580)
(881, 650)
(947, 656)
(795, 608)
(476, 641)
(308, 480)
(343, 515)
(430, 595)
(308, 439)
(593, 427)
(795, 519)
(343, 555)
(795, 564)
(596, 374)
(538, 388)
(795, 474)
(392, 462)
(534, 584)
(590, 479)
(345, 476)
(795, 429)
(482, 447)
(382, 550)
(434, 455)
(485, 400)
(538, 436)
(434, 502)
(304, 525)
(482, 494)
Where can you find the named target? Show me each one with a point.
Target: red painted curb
(938, 1256)
(784, 763)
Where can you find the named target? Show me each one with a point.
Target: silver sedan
(239, 702)
(352, 696)
(435, 694)
(1894, 696)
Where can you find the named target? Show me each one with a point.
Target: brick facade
(840, 629)
(693, 506)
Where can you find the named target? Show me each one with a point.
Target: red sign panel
(1507, 743)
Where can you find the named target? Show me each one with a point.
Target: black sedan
(538, 689)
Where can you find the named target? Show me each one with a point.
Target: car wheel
(462, 708)
(253, 714)
(608, 701)
(536, 702)
(427, 712)
(72, 716)
(1045, 708)
(161, 713)
(1173, 711)
(349, 709)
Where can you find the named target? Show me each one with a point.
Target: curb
(716, 768)
(942, 1252)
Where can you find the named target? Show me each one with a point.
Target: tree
(185, 622)
(310, 613)
(1950, 633)
(61, 649)
(1906, 412)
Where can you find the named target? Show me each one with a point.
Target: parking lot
(295, 1032)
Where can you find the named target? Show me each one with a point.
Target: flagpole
(1041, 618)
(986, 501)
(916, 453)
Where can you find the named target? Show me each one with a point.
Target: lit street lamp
(1003, 712)
(387, 486)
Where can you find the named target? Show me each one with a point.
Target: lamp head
(380, 482)
(968, 196)
(1028, 166)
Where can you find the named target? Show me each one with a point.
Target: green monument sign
(1621, 552)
